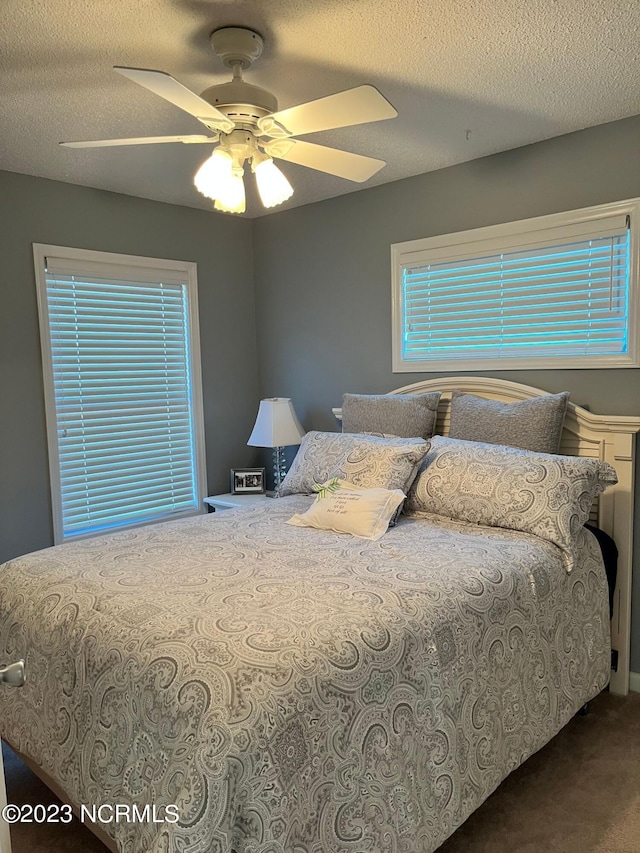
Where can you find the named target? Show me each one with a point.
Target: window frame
(188, 269)
(494, 238)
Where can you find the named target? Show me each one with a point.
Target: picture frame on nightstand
(247, 481)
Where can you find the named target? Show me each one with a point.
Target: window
(557, 291)
(122, 388)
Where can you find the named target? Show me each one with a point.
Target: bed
(300, 691)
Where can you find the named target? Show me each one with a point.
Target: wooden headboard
(607, 437)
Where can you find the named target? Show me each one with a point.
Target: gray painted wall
(321, 306)
(323, 286)
(35, 210)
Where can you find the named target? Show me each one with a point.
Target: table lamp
(276, 426)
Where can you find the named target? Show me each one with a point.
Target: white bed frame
(607, 437)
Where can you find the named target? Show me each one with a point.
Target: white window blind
(549, 297)
(120, 358)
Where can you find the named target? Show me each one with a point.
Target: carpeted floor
(580, 794)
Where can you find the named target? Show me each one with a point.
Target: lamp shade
(277, 424)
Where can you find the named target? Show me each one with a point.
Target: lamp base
(279, 467)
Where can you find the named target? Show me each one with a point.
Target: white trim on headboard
(607, 437)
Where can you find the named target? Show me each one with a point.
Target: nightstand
(230, 501)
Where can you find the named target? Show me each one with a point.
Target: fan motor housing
(240, 101)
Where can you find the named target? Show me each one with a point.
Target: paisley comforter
(296, 691)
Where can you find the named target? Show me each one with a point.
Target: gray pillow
(534, 425)
(404, 415)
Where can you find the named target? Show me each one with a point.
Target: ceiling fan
(246, 125)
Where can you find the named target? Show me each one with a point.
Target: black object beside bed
(610, 557)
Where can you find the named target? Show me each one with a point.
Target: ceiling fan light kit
(220, 176)
(247, 126)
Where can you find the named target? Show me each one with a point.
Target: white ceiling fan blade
(139, 140)
(344, 109)
(171, 90)
(344, 164)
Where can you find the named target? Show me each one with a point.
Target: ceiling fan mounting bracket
(237, 46)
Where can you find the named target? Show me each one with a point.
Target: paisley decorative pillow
(366, 460)
(539, 493)
(405, 415)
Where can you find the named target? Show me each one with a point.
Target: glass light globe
(231, 196)
(273, 186)
(214, 173)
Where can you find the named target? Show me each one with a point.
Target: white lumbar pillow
(343, 507)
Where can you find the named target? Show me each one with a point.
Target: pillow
(529, 424)
(351, 509)
(548, 496)
(404, 415)
(366, 460)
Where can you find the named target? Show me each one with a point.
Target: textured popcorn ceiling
(468, 78)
